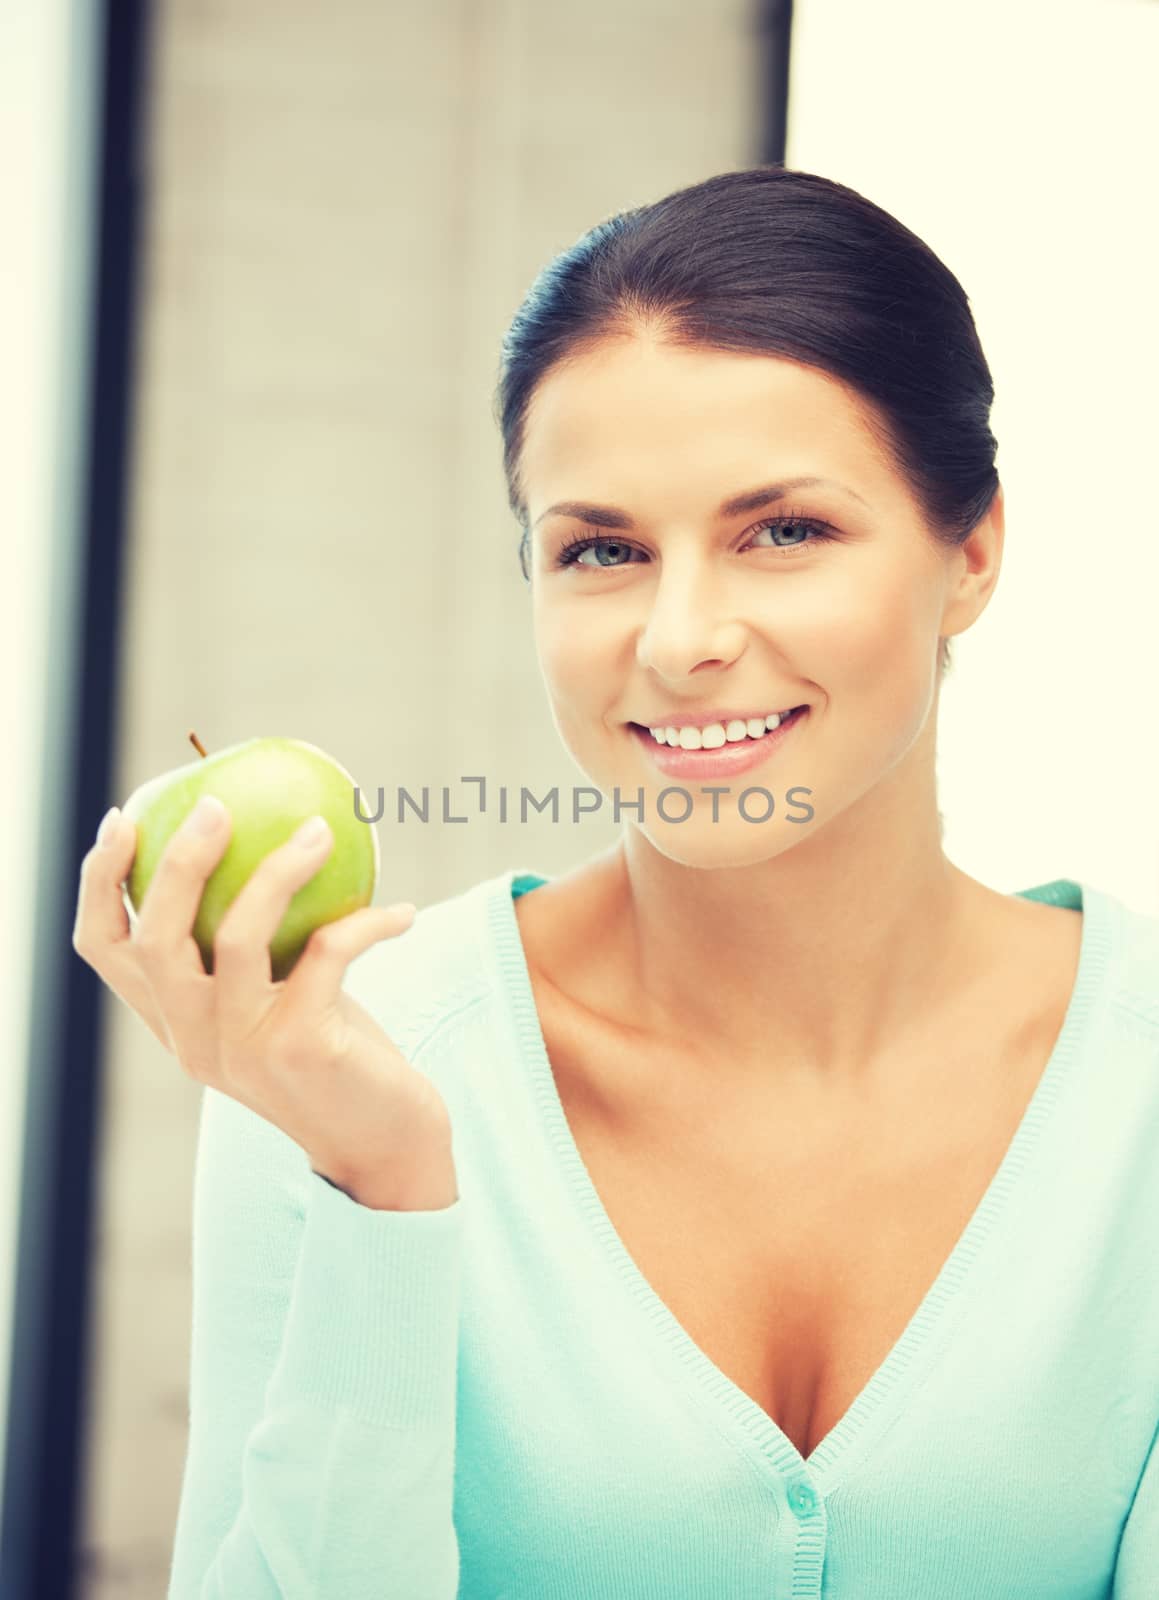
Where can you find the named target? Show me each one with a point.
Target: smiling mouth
(747, 738)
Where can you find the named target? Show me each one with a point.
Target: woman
(765, 1207)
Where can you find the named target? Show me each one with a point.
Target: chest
(794, 1251)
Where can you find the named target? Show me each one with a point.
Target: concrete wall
(346, 204)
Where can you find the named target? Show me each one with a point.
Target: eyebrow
(753, 500)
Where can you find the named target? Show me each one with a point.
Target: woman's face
(679, 608)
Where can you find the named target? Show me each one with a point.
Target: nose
(690, 623)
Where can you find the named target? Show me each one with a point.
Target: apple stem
(197, 745)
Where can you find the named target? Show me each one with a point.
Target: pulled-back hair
(776, 262)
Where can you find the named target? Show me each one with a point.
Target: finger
(242, 972)
(101, 920)
(102, 930)
(167, 953)
(316, 981)
(164, 935)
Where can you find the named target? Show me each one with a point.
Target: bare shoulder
(559, 920)
(1033, 960)
(1047, 935)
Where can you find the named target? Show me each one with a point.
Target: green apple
(270, 787)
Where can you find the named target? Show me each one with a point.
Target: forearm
(323, 1389)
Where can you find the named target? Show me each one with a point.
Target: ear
(974, 569)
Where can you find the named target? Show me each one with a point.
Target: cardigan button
(802, 1499)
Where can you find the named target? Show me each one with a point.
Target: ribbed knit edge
(373, 1323)
(1098, 954)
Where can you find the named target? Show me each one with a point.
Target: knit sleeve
(1138, 1559)
(322, 1381)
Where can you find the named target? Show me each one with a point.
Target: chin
(728, 843)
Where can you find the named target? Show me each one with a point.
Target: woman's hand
(301, 1053)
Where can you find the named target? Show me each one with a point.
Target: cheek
(573, 660)
(893, 679)
(868, 630)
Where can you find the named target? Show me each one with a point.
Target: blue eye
(570, 554)
(794, 522)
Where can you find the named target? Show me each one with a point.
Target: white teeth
(718, 733)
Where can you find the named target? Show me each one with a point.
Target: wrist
(421, 1177)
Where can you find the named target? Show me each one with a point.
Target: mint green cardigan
(490, 1402)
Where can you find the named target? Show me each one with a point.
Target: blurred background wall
(342, 206)
(50, 92)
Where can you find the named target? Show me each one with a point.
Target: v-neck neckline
(897, 1373)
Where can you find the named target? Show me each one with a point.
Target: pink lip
(722, 763)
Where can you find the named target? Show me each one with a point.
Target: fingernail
(207, 814)
(312, 832)
(106, 833)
